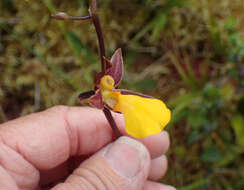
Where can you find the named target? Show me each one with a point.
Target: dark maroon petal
(97, 80)
(116, 71)
(101, 74)
(96, 100)
(114, 68)
(108, 64)
(128, 92)
(86, 95)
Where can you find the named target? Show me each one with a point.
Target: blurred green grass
(188, 53)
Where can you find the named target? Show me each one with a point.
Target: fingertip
(125, 162)
(157, 144)
(165, 142)
(128, 157)
(158, 168)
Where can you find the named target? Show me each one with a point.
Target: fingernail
(127, 156)
(168, 187)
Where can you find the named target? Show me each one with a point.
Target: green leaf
(159, 24)
(24, 80)
(196, 184)
(180, 104)
(188, 97)
(230, 23)
(194, 136)
(78, 47)
(210, 155)
(211, 92)
(196, 119)
(218, 46)
(240, 107)
(187, 80)
(178, 114)
(227, 92)
(172, 3)
(8, 4)
(238, 125)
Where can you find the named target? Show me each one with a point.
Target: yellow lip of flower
(143, 116)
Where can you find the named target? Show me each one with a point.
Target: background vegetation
(188, 53)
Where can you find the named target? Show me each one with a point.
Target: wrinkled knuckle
(63, 186)
(93, 175)
(82, 179)
(90, 179)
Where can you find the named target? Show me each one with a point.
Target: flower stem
(96, 22)
(112, 123)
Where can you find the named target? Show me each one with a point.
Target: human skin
(76, 145)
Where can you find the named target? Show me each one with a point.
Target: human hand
(44, 148)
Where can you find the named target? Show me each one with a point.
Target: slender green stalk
(181, 72)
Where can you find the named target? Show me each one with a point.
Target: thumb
(123, 164)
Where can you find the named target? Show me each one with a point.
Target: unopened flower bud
(61, 16)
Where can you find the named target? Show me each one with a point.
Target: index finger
(49, 138)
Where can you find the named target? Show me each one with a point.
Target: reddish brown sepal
(86, 95)
(114, 68)
(108, 63)
(116, 71)
(96, 100)
(101, 74)
(97, 80)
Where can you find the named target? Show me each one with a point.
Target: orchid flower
(144, 115)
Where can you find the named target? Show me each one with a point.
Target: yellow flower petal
(143, 116)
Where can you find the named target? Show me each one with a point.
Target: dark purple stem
(112, 123)
(96, 22)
